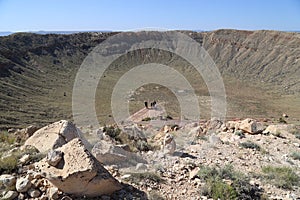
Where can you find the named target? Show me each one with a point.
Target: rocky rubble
(108, 153)
(78, 172)
(68, 169)
(175, 166)
(54, 135)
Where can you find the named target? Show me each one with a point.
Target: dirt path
(158, 110)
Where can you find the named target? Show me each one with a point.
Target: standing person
(146, 104)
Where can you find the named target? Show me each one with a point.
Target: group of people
(152, 105)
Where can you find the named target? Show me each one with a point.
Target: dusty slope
(37, 70)
(259, 56)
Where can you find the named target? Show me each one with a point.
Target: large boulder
(279, 129)
(110, 154)
(78, 173)
(251, 126)
(54, 135)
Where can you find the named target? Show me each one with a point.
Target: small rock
(23, 184)
(252, 182)
(194, 173)
(34, 193)
(169, 145)
(184, 191)
(214, 124)
(10, 195)
(125, 176)
(30, 130)
(66, 198)
(296, 145)
(43, 197)
(21, 196)
(196, 131)
(141, 166)
(24, 159)
(54, 157)
(105, 197)
(124, 146)
(37, 175)
(285, 115)
(11, 130)
(214, 139)
(7, 180)
(53, 193)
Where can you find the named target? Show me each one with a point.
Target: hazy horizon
(75, 15)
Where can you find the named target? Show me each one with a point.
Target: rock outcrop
(79, 173)
(54, 135)
(110, 154)
(278, 129)
(54, 157)
(169, 145)
(251, 126)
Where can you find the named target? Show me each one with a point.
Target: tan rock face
(53, 136)
(279, 129)
(169, 145)
(251, 126)
(78, 172)
(110, 154)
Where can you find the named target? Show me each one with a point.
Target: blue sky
(59, 15)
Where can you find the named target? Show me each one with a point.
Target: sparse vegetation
(295, 155)
(237, 185)
(297, 136)
(145, 176)
(202, 137)
(282, 177)
(9, 163)
(218, 189)
(240, 133)
(296, 133)
(155, 196)
(250, 145)
(277, 133)
(281, 120)
(169, 117)
(7, 138)
(112, 131)
(142, 145)
(146, 119)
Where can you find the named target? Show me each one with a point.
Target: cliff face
(259, 56)
(37, 71)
